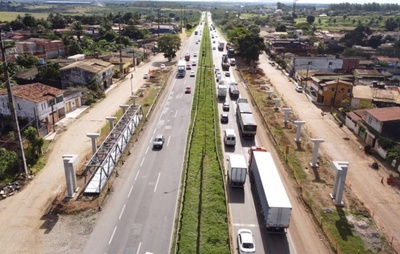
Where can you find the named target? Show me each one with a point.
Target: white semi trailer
(274, 202)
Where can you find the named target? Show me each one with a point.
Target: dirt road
(340, 144)
(20, 216)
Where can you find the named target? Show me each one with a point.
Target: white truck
(245, 118)
(181, 69)
(273, 200)
(237, 170)
(222, 89)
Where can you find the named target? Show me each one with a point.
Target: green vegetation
(203, 224)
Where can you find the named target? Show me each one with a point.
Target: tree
(26, 61)
(29, 21)
(35, 142)
(310, 19)
(77, 27)
(250, 46)
(50, 71)
(8, 162)
(280, 28)
(169, 44)
(254, 29)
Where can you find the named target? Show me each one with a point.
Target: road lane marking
(137, 174)
(158, 178)
(122, 211)
(147, 149)
(169, 139)
(130, 191)
(141, 164)
(176, 113)
(138, 249)
(115, 229)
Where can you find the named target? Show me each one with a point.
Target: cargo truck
(187, 57)
(245, 119)
(181, 69)
(225, 64)
(237, 170)
(222, 90)
(273, 200)
(221, 45)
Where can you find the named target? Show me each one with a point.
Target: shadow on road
(235, 195)
(49, 221)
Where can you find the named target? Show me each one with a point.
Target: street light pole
(131, 84)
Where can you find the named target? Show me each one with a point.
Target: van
(230, 137)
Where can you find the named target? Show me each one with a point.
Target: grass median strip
(203, 226)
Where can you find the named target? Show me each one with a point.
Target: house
(72, 100)
(371, 124)
(366, 76)
(42, 48)
(87, 72)
(362, 96)
(330, 91)
(35, 103)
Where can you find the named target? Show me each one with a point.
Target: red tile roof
(385, 114)
(34, 92)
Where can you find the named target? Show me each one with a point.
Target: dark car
(224, 118)
(225, 106)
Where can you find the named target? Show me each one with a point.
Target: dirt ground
(315, 181)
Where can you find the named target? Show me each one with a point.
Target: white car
(162, 66)
(194, 54)
(145, 76)
(245, 241)
(192, 74)
(299, 89)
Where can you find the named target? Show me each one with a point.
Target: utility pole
(158, 30)
(121, 69)
(17, 134)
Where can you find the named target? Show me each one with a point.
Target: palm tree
(77, 27)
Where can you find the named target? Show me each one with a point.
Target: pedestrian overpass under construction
(104, 160)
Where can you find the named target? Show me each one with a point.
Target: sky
(342, 1)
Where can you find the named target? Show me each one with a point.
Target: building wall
(374, 123)
(329, 93)
(316, 63)
(25, 47)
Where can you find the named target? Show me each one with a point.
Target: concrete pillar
(317, 142)
(94, 137)
(134, 98)
(70, 176)
(298, 130)
(124, 107)
(111, 120)
(340, 168)
(269, 93)
(286, 111)
(277, 103)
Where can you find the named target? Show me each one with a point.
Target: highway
(140, 214)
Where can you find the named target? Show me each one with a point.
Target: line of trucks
(274, 204)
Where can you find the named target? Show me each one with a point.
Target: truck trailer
(245, 119)
(221, 45)
(237, 170)
(181, 69)
(273, 200)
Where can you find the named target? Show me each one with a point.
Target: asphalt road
(144, 208)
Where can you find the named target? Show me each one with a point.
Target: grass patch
(10, 16)
(203, 227)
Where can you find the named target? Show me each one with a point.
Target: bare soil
(313, 183)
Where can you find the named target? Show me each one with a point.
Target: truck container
(273, 200)
(237, 170)
(222, 90)
(225, 63)
(187, 57)
(181, 69)
(221, 45)
(247, 125)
